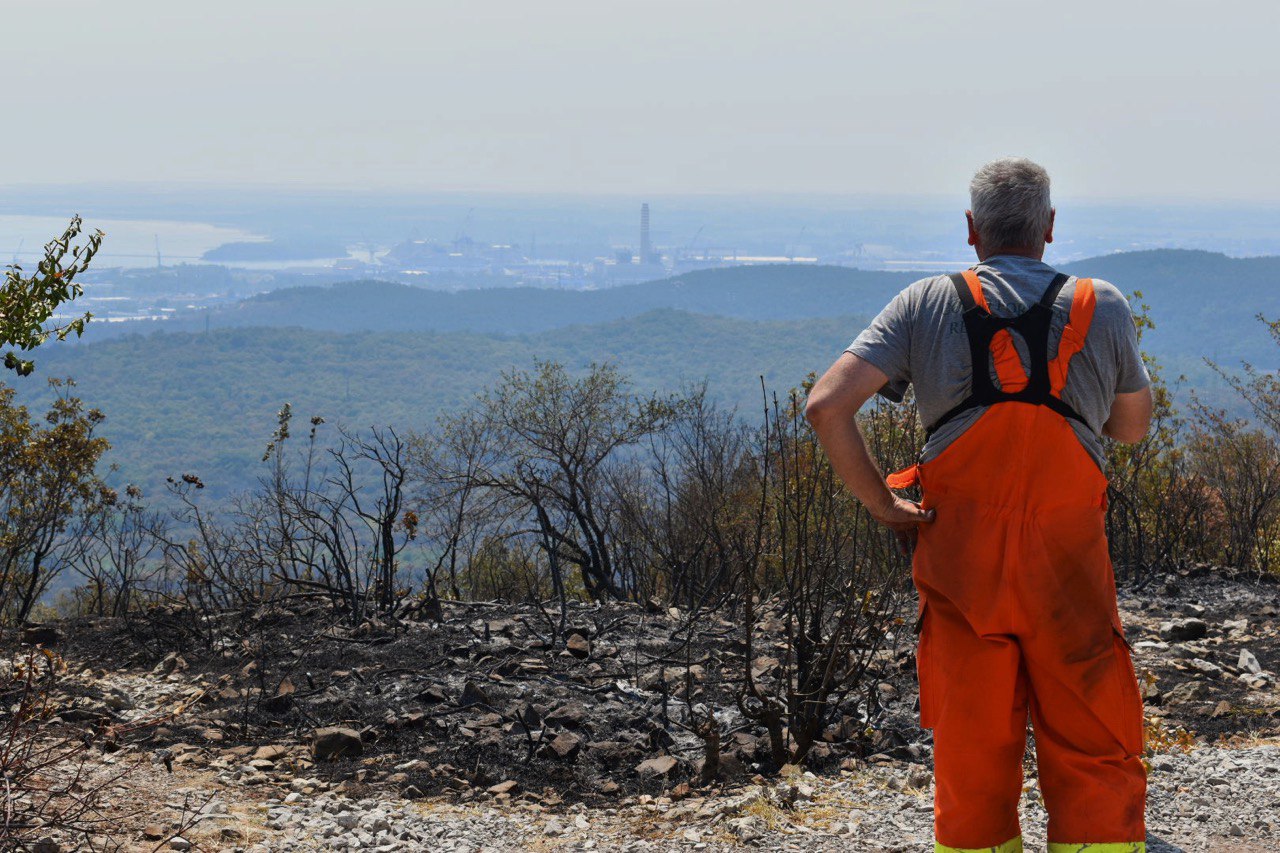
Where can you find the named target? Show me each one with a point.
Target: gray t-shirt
(919, 339)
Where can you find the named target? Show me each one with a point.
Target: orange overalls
(1018, 605)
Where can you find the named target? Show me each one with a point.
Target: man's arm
(1130, 417)
(832, 409)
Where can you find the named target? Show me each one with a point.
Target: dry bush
(827, 575)
(50, 787)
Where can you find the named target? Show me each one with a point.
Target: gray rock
(565, 746)
(1181, 630)
(1207, 667)
(1249, 663)
(474, 694)
(1185, 693)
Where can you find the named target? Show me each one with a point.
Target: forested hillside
(377, 352)
(192, 402)
(1193, 296)
(770, 292)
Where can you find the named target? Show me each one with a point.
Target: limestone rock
(662, 766)
(336, 742)
(1181, 630)
(1249, 663)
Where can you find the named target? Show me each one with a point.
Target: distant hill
(1205, 305)
(207, 403)
(275, 250)
(1194, 296)
(374, 352)
(769, 292)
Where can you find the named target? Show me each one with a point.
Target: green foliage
(554, 441)
(47, 480)
(29, 302)
(204, 403)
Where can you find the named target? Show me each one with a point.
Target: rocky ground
(472, 732)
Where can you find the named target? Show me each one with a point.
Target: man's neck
(1033, 254)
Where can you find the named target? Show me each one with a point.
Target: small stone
(565, 746)
(510, 786)
(571, 715)
(173, 662)
(1181, 630)
(473, 694)
(1185, 693)
(578, 646)
(1249, 662)
(336, 742)
(919, 779)
(271, 752)
(153, 832)
(748, 829)
(1207, 667)
(179, 843)
(660, 766)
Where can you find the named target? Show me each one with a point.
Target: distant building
(646, 246)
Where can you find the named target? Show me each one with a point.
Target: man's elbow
(818, 409)
(822, 410)
(842, 391)
(1130, 417)
(1127, 433)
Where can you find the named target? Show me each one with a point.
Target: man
(1018, 373)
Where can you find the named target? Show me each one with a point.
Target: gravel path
(1212, 799)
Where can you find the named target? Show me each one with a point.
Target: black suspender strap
(962, 291)
(1034, 327)
(1055, 287)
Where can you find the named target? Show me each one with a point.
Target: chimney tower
(646, 248)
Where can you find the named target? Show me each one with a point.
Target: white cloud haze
(1117, 99)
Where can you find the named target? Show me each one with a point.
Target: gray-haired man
(1018, 371)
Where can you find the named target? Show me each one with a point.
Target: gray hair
(1009, 198)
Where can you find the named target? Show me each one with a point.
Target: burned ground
(479, 706)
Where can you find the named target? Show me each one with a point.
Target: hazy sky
(1169, 99)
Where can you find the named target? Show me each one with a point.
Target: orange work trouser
(1018, 610)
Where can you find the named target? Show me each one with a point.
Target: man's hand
(904, 518)
(832, 409)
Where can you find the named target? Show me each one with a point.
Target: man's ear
(1048, 235)
(973, 232)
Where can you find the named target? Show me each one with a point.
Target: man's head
(1010, 212)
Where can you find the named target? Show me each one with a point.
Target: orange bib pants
(1018, 614)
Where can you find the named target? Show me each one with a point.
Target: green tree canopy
(29, 302)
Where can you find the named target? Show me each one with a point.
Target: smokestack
(646, 249)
